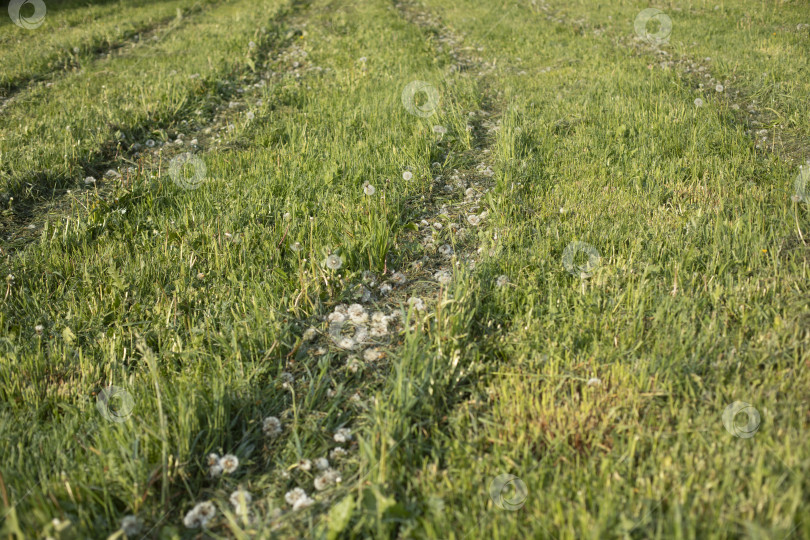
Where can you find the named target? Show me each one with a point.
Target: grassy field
(418, 269)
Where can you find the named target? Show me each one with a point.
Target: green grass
(72, 33)
(604, 394)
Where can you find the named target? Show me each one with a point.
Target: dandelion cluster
(218, 465)
(298, 498)
(357, 314)
(337, 453)
(200, 515)
(326, 479)
(379, 323)
(416, 303)
(343, 435)
(443, 277)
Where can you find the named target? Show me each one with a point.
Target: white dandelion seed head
(368, 189)
(336, 317)
(250, 115)
(321, 464)
(357, 314)
(441, 130)
(379, 330)
(416, 303)
(361, 333)
(343, 435)
(443, 277)
(304, 464)
(294, 494)
(473, 220)
(333, 262)
(370, 355)
(698, 102)
(326, 479)
(150, 143)
(594, 381)
(502, 281)
(229, 463)
(407, 175)
(354, 364)
(310, 334)
(89, 180)
(337, 453)
(240, 500)
(446, 250)
(321, 482)
(303, 502)
(131, 525)
(192, 519)
(385, 288)
(206, 510)
(719, 88)
(399, 278)
(271, 426)
(346, 343)
(39, 329)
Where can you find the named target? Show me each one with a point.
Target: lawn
(415, 269)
